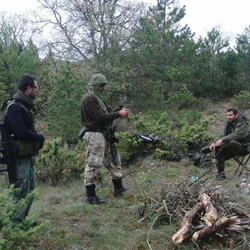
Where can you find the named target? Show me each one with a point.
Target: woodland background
(172, 83)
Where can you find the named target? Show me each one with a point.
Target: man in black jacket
(20, 125)
(97, 118)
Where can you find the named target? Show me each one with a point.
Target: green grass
(74, 224)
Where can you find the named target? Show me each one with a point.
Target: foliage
(58, 162)
(181, 99)
(65, 105)
(3, 94)
(163, 55)
(46, 74)
(18, 54)
(242, 100)
(24, 232)
(175, 131)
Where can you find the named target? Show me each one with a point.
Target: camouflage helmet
(98, 79)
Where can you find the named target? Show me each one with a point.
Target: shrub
(242, 100)
(24, 232)
(58, 162)
(175, 132)
(181, 99)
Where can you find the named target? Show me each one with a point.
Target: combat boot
(119, 190)
(220, 166)
(92, 198)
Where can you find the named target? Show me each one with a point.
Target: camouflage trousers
(98, 154)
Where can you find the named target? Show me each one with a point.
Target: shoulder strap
(4, 109)
(5, 104)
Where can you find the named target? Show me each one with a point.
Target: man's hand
(124, 112)
(214, 145)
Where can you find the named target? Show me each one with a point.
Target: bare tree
(87, 29)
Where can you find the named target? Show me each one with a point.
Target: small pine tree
(64, 105)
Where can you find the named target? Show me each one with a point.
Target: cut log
(186, 224)
(219, 224)
(211, 214)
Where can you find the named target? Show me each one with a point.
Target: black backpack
(7, 150)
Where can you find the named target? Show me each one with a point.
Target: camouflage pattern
(98, 79)
(97, 155)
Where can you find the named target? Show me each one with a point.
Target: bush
(242, 100)
(175, 132)
(181, 99)
(58, 162)
(24, 232)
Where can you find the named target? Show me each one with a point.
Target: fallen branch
(221, 223)
(238, 210)
(155, 212)
(186, 224)
(211, 214)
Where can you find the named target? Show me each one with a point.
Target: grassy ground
(71, 223)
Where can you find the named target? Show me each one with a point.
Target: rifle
(112, 141)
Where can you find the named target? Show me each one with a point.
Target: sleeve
(18, 126)
(96, 113)
(241, 132)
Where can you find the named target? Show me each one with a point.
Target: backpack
(8, 153)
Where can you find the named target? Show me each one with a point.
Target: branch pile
(201, 211)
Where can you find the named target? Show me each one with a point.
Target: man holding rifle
(98, 134)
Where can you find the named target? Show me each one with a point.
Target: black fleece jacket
(21, 125)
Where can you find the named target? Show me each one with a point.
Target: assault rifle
(112, 141)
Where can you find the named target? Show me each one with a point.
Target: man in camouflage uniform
(235, 142)
(97, 118)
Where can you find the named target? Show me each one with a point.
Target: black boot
(220, 166)
(92, 198)
(118, 187)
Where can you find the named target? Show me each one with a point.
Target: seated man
(235, 142)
